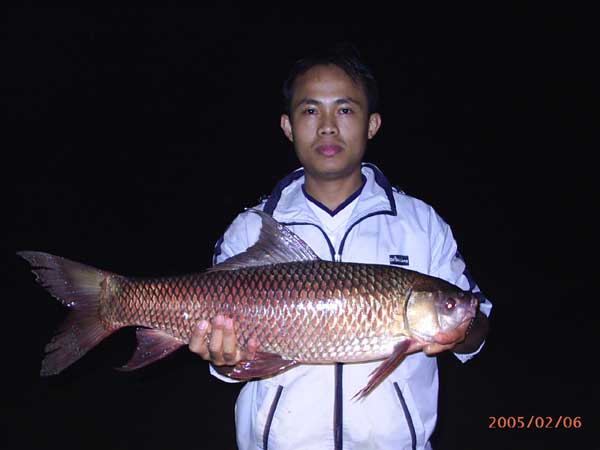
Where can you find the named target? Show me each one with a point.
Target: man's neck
(332, 193)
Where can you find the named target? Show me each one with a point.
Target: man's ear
(374, 124)
(286, 126)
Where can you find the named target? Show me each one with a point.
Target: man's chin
(332, 169)
(331, 174)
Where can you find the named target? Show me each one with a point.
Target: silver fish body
(299, 308)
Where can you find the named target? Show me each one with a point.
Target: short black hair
(343, 55)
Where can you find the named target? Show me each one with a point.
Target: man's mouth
(329, 149)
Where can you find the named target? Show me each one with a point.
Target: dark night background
(132, 137)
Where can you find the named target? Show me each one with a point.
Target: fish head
(435, 307)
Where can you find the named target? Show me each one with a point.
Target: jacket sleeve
(241, 234)
(448, 264)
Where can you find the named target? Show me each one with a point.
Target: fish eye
(450, 304)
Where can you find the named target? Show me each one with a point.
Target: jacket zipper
(270, 417)
(338, 402)
(407, 416)
(338, 405)
(343, 241)
(338, 409)
(269, 208)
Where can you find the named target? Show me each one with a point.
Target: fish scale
(311, 312)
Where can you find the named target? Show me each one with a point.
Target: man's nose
(328, 126)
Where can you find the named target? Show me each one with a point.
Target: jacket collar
(286, 199)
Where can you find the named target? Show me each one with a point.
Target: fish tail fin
(80, 288)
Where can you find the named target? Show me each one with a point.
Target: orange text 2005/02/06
(534, 422)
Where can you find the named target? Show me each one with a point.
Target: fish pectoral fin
(385, 368)
(152, 346)
(263, 365)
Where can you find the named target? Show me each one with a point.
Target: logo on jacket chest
(399, 260)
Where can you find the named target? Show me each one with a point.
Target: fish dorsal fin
(276, 244)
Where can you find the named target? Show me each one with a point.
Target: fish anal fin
(263, 365)
(152, 346)
(385, 368)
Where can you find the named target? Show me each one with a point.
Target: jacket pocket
(269, 419)
(407, 415)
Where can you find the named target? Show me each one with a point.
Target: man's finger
(434, 349)
(251, 348)
(198, 340)
(230, 350)
(215, 345)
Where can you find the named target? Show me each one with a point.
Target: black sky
(132, 137)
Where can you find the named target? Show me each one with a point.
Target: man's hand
(464, 339)
(216, 342)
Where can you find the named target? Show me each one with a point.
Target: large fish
(301, 309)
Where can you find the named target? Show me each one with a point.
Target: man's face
(329, 123)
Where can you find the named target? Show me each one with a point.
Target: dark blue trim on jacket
(382, 181)
(338, 408)
(275, 196)
(331, 249)
(408, 417)
(342, 205)
(279, 187)
(267, 429)
(217, 251)
(341, 249)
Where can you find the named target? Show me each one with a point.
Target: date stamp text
(534, 422)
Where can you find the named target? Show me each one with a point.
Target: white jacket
(309, 407)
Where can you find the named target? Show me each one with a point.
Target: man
(346, 211)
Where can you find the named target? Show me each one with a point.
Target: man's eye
(346, 111)
(310, 111)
